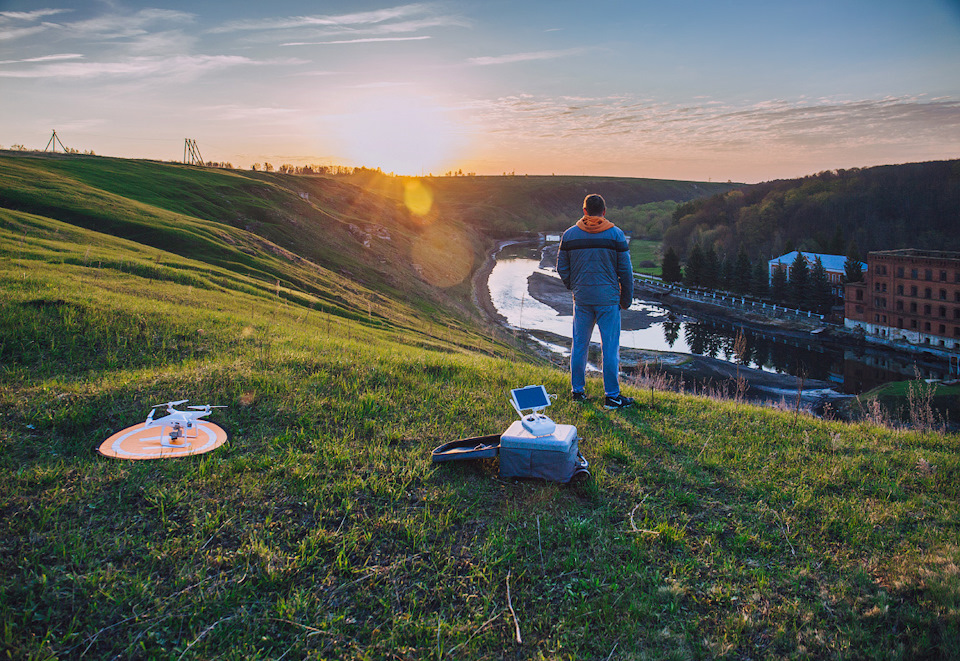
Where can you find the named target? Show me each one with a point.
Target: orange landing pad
(141, 442)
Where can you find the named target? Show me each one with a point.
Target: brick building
(909, 294)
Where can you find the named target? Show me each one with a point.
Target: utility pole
(53, 141)
(191, 153)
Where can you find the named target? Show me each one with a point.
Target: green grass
(322, 530)
(643, 253)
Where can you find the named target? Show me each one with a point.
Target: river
(526, 291)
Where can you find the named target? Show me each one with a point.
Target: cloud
(343, 21)
(44, 58)
(29, 15)
(526, 57)
(119, 26)
(139, 67)
(365, 40)
(796, 125)
(18, 33)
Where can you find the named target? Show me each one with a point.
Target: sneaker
(618, 402)
(578, 396)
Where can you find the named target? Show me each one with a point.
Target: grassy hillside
(322, 530)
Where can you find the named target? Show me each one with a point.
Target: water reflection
(649, 325)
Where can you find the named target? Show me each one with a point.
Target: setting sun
(400, 134)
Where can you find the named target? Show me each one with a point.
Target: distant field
(646, 251)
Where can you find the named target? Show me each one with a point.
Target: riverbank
(689, 371)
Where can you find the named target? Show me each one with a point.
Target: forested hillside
(504, 205)
(894, 206)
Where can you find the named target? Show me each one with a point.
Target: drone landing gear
(175, 434)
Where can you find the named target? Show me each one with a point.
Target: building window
(900, 290)
(943, 312)
(876, 286)
(900, 306)
(876, 318)
(926, 310)
(913, 323)
(943, 329)
(899, 322)
(913, 307)
(913, 273)
(956, 296)
(859, 296)
(899, 271)
(956, 313)
(956, 276)
(926, 326)
(943, 276)
(956, 331)
(928, 293)
(913, 290)
(928, 273)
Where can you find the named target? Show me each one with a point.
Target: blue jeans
(585, 317)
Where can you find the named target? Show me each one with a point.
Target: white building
(832, 264)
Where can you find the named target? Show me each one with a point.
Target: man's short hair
(594, 205)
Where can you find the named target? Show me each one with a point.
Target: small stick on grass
(204, 633)
(634, 525)
(481, 628)
(540, 544)
(516, 622)
(610, 656)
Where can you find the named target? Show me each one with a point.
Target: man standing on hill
(594, 262)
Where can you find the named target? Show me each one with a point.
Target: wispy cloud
(119, 25)
(29, 15)
(364, 40)
(343, 21)
(797, 124)
(44, 58)
(139, 67)
(526, 57)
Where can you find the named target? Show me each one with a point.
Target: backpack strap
(478, 447)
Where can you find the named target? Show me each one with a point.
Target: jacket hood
(594, 224)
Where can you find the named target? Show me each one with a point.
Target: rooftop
(916, 252)
(830, 262)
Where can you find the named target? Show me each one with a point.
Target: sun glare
(398, 134)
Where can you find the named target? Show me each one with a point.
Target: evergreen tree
(693, 276)
(853, 267)
(711, 268)
(820, 295)
(799, 290)
(778, 284)
(670, 268)
(742, 273)
(837, 242)
(760, 282)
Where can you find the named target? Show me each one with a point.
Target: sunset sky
(746, 91)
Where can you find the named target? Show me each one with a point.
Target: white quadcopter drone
(179, 421)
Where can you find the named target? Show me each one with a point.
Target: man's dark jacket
(596, 266)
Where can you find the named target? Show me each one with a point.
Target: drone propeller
(206, 406)
(182, 401)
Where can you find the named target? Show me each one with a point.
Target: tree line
(806, 288)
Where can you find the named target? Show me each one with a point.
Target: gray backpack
(555, 457)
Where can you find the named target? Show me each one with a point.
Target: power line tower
(191, 153)
(53, 141)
